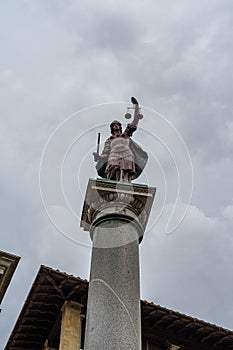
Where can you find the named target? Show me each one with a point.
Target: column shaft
(113, 311)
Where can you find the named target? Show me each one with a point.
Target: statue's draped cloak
(140, 160)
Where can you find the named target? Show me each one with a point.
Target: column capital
(104, 197)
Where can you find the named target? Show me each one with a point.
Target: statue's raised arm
(122, 159)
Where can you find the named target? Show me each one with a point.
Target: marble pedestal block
(116, 215)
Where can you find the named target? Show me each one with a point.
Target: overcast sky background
(58, 57)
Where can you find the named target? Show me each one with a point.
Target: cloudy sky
(59, 57)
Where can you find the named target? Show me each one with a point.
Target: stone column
(70, 338)
(116, 215)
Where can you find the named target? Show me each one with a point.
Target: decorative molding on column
(108, 197)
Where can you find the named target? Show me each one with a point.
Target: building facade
(8, 264)
(53, 318)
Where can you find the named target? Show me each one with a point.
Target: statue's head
(115, 127)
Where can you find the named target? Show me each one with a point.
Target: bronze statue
(122, 159)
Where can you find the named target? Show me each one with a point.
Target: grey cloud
(176, 57)
(188, 264)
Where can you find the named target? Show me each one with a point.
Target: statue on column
(122, 159)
